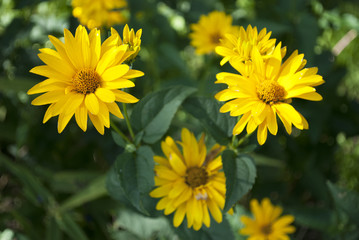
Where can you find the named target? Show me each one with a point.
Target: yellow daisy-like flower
(190, 183)
(239, 48)
(209, 31)
(131, 39)
(267, 91)
(267, 223)
(98, 13)
(83, 79)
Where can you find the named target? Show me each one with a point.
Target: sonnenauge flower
(266, 91)
(238, 47)
(98, 13)
(267, 223)
(189, 182)
(209, 31)
(83, 78)
(131, 39)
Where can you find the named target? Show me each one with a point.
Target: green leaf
(52, 230)
(216, 231)
(118, 139)
(314, 217)
(70, 227)
(346, 201)
(93, 191)
(71, 181)
(153, 114)
(219, 125)
(240, 174)
(132, 178)
(16, 85)
(34, 190)
(143, 227)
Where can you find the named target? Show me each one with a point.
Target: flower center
(270, 91)
(86, 81)
(266, 229)
(196, 177)
(215, 38)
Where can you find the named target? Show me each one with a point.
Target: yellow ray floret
(189, 181)
(206, 35)
(83, 79)
(267, 222)
(130, 38)
(238, 47)
(266, 90)
(99, 13)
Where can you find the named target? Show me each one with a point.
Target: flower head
(98, 13)
(83, 78)
(267, 223)
(189, 182)
(209, 31)
(265, 91)
(239, 47)
(130, 38)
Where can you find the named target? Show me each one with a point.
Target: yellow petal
(238, 128)
(133, 74)
(64, 119)
(117, 84)
(95, 46)
(115, 72)
(313, 96)
(48, 113)
(262, 133)
(177, 164)
(47, 85)
(97, 123)
(215, 211)
(179, 215)
(106, 60)
(92, 104)
(105, 95)
(81, 116)
(73, 50)
(114, 109)
(124, 97)
(49, 97)
(46, 71)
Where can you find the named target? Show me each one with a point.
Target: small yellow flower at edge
(206, 35)
(267, 224)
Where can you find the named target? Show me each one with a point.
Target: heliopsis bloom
(267, 223)
(209, 31)
(98, 13)
(267, 92)
(189, 182)
(83, 78)
(239, 47)
(131, 39)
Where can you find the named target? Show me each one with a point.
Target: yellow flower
(98, 13)
(131, 39)
(267, 223)
(239, 48)
(190, 183)
(267, 91)
(83, 78)
(209, 31)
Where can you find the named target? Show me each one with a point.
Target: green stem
(240, 141)
(128, 121)
(114, 127)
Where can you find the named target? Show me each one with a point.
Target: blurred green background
(52, 185)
